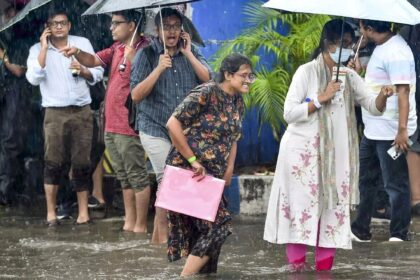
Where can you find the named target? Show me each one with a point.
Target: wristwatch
(5, 59)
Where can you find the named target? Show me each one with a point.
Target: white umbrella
(398, 11)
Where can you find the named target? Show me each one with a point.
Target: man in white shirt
(391, 63)
(68, 122)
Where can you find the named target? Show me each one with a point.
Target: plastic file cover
(181, 193)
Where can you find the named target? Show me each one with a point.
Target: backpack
(129, 103)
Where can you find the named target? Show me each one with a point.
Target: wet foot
(128, 228)
(140, 229)
(82, 220)
(159, 241)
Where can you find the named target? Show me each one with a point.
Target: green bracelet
(192, 159)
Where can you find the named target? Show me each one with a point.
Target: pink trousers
(324, 257)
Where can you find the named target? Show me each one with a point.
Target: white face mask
(345, 55)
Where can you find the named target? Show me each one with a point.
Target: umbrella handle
(123, 65)
(341, 48)
(161, 26)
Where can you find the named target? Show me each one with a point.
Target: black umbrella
(29, 22)
(109, 6)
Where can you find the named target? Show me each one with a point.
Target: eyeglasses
(115, 23)
(250, 77)
(174, 27)
(55, 24)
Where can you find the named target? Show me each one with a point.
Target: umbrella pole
(124, 65)
(341, 48)
(161, 26)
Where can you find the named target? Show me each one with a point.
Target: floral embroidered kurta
(296, 207)
(212, 122)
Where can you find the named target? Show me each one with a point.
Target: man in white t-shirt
(391, 63)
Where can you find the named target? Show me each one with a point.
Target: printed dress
(296, 207)
(212, 123)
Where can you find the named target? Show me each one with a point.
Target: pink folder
(181, 193)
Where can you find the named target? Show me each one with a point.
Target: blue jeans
(373, 153)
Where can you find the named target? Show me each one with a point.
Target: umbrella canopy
(415, 3)
(109, 6)
(398, 11)
(30, 21)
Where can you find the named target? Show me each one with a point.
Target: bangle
(192, 159)
(316, 103)
(78, 51)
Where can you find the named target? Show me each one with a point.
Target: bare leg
(193, 265)
(413, 161)
(142, 207)
(130, 209)
(82, 202)
(160, 228)
(97, 177)
(51, 197)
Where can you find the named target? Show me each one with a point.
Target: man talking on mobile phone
(160, 81)
(68, 123)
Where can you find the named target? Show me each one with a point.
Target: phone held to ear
(394, 153)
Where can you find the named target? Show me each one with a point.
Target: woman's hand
(387, 91)
(199, 170)
(332, 88)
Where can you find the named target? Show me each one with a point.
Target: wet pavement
(29, 250)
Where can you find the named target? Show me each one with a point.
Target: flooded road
(29, 250)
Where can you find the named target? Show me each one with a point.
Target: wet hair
(231, 64)
(378, 26)
(129, 15)
(167, 12)
(53, 13)
(331, 33)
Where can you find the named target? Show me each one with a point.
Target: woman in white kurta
(317, 167)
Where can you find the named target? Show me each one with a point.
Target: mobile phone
(182, 42)
(394, 153)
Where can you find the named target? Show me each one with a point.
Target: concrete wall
(249, 194)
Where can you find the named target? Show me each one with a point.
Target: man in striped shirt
(160, 81)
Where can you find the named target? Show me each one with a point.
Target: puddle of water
(28, 250)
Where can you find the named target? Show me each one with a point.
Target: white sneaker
(395, 239)
(357, 239)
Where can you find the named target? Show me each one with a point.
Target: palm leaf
(266, 38)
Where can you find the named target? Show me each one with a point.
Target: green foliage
(288, 51)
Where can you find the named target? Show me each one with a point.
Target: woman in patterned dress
(317, 168)
(204, 130)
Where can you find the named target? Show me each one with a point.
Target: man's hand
(69, 51)
(44, 38)
(75, 65)
(165, 61)
(401, 141)
(355, 65)
(186, 42)
(129, 52)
